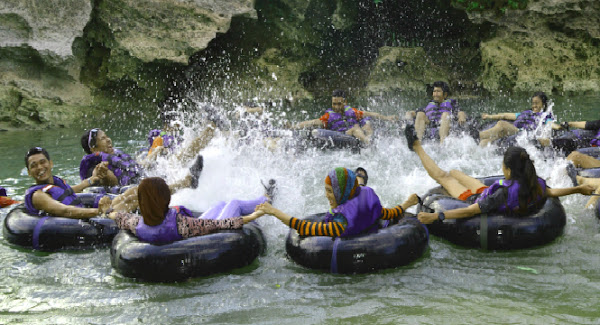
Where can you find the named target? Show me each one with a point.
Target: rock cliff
(552, 45)
(62, 60)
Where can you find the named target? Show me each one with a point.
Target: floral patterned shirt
(186, 226)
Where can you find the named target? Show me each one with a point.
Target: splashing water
(543, 128)
(83, 288)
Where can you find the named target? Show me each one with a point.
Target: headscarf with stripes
(344, 184)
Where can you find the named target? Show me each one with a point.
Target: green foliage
(499, 6)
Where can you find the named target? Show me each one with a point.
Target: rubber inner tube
(393, 246)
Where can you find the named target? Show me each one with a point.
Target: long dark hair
(154, 197)
(543, 97)
(522, 171)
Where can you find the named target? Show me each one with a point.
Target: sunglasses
(35, 150)
(92, 136)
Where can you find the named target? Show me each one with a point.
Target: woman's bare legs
(448, 182)
(469, 182)
(199, 143)
(502, 129)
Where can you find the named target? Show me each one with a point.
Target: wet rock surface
(94, 57)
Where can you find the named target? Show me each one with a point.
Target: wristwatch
(441, 216)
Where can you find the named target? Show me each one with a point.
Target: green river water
(558, 283)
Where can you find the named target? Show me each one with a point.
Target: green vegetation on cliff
(500, 6)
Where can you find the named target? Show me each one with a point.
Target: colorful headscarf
(344, 184)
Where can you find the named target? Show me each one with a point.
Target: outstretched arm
(499, 116)
(46, 203)
(398, 211)
(267, 208)
(199, 143)
(304, 228)
(584, 189)
(471, 210)
(305, 124)
(380, 116)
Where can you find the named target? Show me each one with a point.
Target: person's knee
(440, 175)
(445, 117)
(503, 124)
(454, 173)
(575, 156)
(421, 119)
(233, 203)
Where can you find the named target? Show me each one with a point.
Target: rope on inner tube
(483, 231)
(334, 266)
(36, 232)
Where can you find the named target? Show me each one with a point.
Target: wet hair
(523, 171)
(34, 151)
(542, 95)
(154, 197)
(88, 140)
(443, 85)
(339, 93)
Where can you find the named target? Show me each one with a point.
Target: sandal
(195, 170)
(270, 190)
(362, 173)
(572, 173)
(411, 136)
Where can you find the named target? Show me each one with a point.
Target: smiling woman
(122, 168)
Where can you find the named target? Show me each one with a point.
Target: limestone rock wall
(552, 45)
(404, 69)
(168, 29)
(63, 59)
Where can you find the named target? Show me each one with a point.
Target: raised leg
(367, 129)
(236, 208)
(444, 129)
(421, 122)
(469, 182)
(500, 130)
(410, 115)
(199, 143)
(358, 133)
(582, 160)
(451, 184)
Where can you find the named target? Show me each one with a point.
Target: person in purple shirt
(519, 193)
(355, 209)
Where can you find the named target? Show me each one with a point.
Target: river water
(558, 283)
